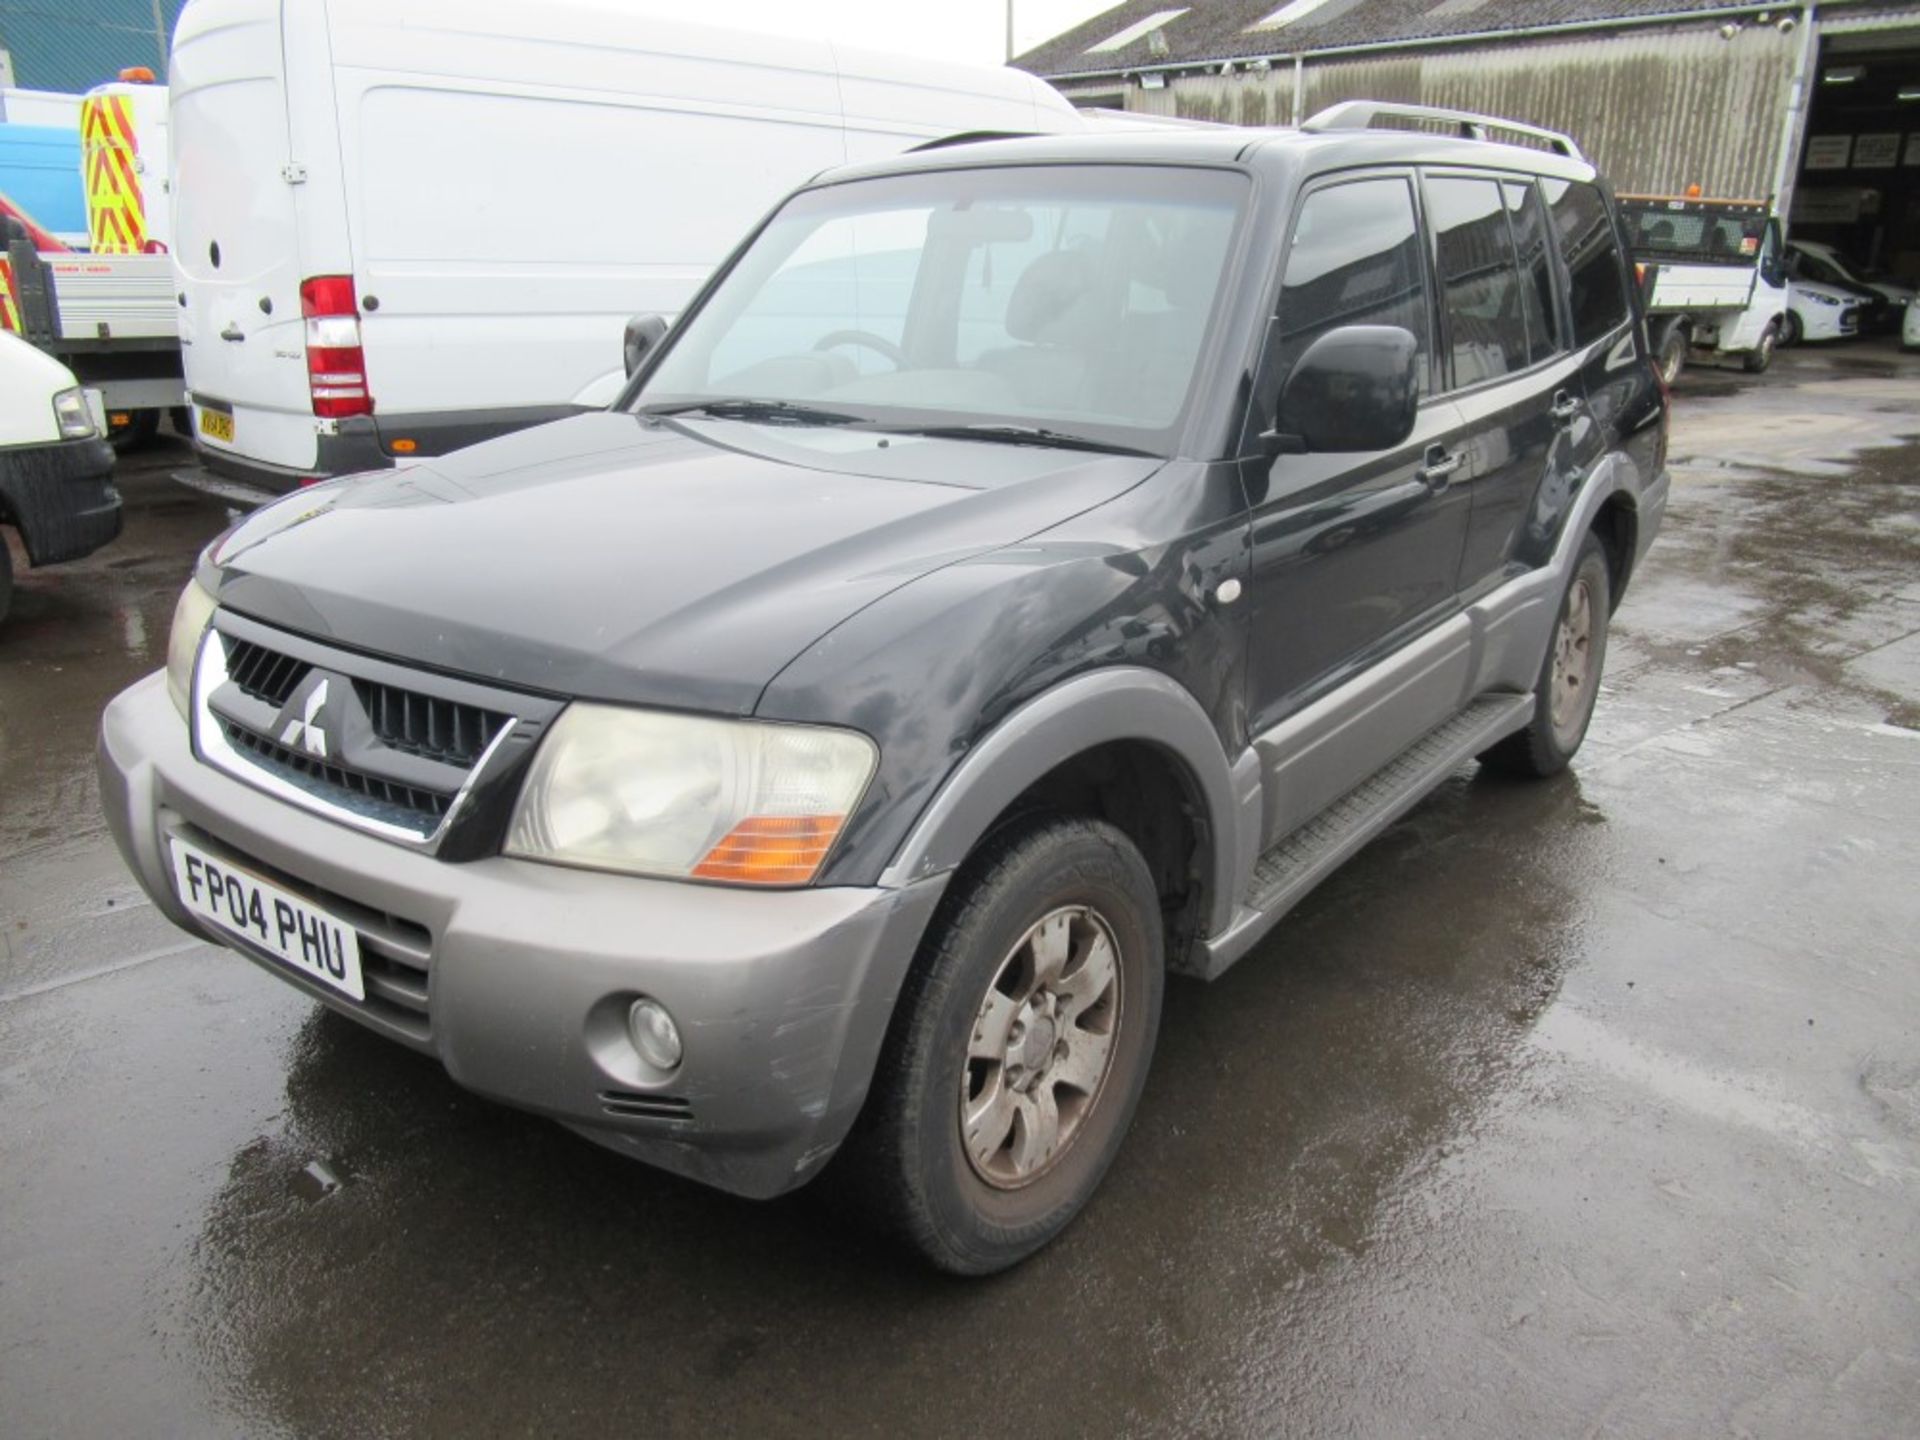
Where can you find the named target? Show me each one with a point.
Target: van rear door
(236, 246)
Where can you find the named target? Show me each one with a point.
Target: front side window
(1355, 260)
(1075, 298)
(1479, 284)
(1597, 284)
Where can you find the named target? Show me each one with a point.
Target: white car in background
(1820, 312)
(1824, 264)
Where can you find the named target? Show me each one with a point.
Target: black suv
(1028, 567)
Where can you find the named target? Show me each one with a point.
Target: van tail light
(336, 365)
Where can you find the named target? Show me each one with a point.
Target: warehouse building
(1814, 106)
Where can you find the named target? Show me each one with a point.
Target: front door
(1353, 555)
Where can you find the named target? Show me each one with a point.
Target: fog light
(654, 1034)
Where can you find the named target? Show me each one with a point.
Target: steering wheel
(878, 343)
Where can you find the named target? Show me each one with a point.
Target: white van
(407, 225)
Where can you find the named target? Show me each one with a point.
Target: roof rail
(1362, 115)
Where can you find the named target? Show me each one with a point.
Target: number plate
(216, 424)
(301, 936)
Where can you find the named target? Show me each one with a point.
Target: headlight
(652, 793)
(191, 617)
(1826, 300)
(71, 415)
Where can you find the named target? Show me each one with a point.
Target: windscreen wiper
(746, 408)
(1021, 435)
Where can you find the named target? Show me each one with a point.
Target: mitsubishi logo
(307, 733)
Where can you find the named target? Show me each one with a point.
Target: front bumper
(526, 970)
(62, 497)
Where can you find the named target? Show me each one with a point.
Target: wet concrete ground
(1589, 1107)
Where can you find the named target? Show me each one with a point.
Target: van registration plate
(213, 423)
(301, 936)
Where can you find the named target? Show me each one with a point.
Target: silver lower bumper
(783, 998)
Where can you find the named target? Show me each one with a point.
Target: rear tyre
(1569, 676)
(1791, 332)
(1673, 354)
(181, 418)
(1019, 1047)
(1760, 357)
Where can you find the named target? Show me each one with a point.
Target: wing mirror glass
(643, 333)
(1355, 389)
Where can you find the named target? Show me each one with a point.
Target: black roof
(1225, 145)
(1214, 30)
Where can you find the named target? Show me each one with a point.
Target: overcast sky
(944, 29)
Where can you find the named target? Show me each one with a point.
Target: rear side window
(1479, 284)
(1528, 219)
(1355, 261)
(1598, 286)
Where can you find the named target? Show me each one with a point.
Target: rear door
(1519, 389)
(236, 245)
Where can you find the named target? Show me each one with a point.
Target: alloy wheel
(1041, 1046)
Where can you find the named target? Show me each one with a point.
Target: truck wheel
(1569, 676)
(1791, 332)
(141, 427)
(1018, 1049)
(1760, 357)
(1673, 354)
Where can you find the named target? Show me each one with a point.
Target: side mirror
(1355, 389)
(643, 333)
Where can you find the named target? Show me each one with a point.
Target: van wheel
(1673, 353)
(1761, 356)
(1791, 332)
(1019, 1047)
(1569, 676)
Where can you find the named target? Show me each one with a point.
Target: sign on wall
(1876, 152)
(1829, 152)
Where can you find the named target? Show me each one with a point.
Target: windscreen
(1075, 298)
(1692, 233)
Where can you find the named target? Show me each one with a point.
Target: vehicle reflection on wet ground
(1583, 1107)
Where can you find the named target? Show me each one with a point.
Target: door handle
(1565, 407)
(1436, 471)
(233, 331)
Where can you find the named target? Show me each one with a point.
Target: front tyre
(1019, 1047)
(1760, 357)
(1569, 676)
(1791, 330)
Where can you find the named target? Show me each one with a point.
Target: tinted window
(1355, 261)
(1598, 285)
(1529, 222)
(1479, 286)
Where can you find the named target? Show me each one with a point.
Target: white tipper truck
(109, 313)
(1712, 277)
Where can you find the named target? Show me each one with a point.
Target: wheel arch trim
(1124, 703)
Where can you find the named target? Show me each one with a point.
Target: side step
(1284, 874)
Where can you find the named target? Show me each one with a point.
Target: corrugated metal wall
(1658, 110)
